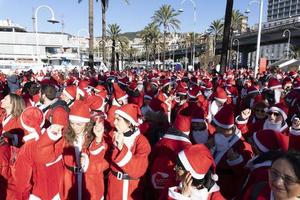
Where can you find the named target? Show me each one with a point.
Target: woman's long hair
(18, 105)
(70, 135)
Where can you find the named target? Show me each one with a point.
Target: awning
(290, 65)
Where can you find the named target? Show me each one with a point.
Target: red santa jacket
(32, 177)
(163, 157)
(127, 167)
(89, 177)
(263, 190)
(294, 139)
(232, 171)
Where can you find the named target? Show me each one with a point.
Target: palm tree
(113, 32)
(91, 33)
(226, 34)
(104, 7)
(166, 17)
(216, 29)
(124, 48)
(150, 36)
(236, 20)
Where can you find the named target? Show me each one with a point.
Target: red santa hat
(101, 91)
(180, 90)
(197, 160)
(268, 140)
(293, 74)
(183, 121)
(287, 82)
(32, 119)
(197, 114)
(130, 112)
(193, 92)
(82, 87)
(119, 94)
(274, 84)
(70, 91)
(225, 117)
(252, 89)
(220, 95)
(165, 82)
(296, 83)
(96, 103)
(280, 108)
(80, 112)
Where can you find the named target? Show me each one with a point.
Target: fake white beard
(221, 141)
(214, 108)
(200, 137)
(277, 95)
(272, 126)
(207, 93)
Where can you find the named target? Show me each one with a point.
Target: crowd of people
(150, 135)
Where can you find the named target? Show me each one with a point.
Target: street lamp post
(52, 20)
(289, 41)
(238, 52)
(260, 2)
(194, 28)
(78, 32)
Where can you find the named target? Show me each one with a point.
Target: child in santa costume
(129, 158)
(231, 153)
(195, 168)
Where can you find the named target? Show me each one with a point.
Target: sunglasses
(274, 113)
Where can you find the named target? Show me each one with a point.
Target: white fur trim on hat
(259, 144)
(275, 87)
(188, 166)
(123, 97)
(273, 108)
(222, 125)
(78, 119)
(126, 116)
(68, 94)
(221, 100)
(294, 132)
(148, 97)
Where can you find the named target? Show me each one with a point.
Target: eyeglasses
(286, 179)
(274, 113)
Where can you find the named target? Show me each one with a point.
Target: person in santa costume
(31, 175)
(276, 120)
(69, 95)
(231, 153)
(218, 101)
(283, 179)
(164, 153)
(195, 169)
(129, 156)
(52, 106)
(263, 143)
(11, 137)
(82, 150)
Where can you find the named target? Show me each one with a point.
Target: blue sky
(132, 17)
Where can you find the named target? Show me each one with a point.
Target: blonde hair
(18, 104)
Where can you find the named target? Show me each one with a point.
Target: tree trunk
(164, 48)
(226, 33)
(104, 6)
(113, 56)
(154, 56)
(91, 34)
